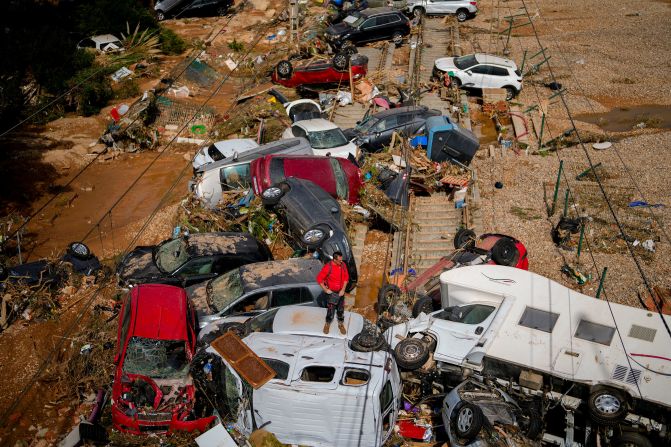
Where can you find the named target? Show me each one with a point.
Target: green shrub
(170, 42)
(127, 88)
(94, 93)
(236, 46)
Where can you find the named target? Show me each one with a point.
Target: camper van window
(318, 374)
(281, 368)
(386, 404)
(538, 319)
(214, 153)
(355, 377)
(598, 333)
(469, 314)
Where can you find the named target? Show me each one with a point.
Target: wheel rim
(398, 38)
(465, 420)
(313, 235)
(607, 404)
(283, 69)
(79, 248)
(272, 193)
(411, 352)
(160, 16)
(461, 16)
(340, 61)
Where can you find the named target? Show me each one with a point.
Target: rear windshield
(465, 62)
(214, 153)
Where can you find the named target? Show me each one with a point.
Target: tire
(456, 81)
(418, 12)
(160, 15)
(272, 196)
(224, 328)
(348, 47)
(366, 341)
(388, 294)
(464, 239)
(411, 353)
(631, 439)
(504, 252)
(510, 92)
(467, 420)
(341, 61)
(607, 406)
(284, 69)
(79, 250)
(316, 235)
(397, 38)
(462, 15)
(424, 304)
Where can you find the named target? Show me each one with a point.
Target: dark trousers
(333, 304)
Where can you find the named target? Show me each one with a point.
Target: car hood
(138, 265)
(445, 64)
(338, 29)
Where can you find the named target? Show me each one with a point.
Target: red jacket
(334, 276)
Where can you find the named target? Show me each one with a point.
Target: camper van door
(460, 329)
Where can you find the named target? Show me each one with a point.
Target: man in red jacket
(333, 279)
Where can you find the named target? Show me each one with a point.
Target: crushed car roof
(205, 244)
(290, 271)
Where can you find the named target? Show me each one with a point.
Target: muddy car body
(321, 71)
(153, 391)
(569, 340)
(314, 219)
(234, 173)
(256, 287)
(190, 259)
(336, 175)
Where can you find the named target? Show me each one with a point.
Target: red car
(337, 176)
(490, 248)
(335, 71)
(153, 391)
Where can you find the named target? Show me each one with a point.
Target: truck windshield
(171, 255)
(224, 290)
(326, 139)
(465, 62)
(469, 314)
(158, 359)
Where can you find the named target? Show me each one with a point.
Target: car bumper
(137, 426)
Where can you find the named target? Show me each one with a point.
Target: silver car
(463, 9)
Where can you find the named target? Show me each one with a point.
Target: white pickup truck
(463, 9)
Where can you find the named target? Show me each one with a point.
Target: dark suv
(369, 25)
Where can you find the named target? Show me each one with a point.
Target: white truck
(462, 9)
(503, 322)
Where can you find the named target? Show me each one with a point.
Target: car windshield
(171, 255)
(158, 359)
(465, 62)
(262, 323)
(326, 139)
(365, 125)
(224, 290)
(354, 21)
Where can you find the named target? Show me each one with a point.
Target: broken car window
(158, 359)
(465, 62)
(469, 314)
(323, 374)
(326, 139)
(262, 323)
(355, 377)
(236, 177)
(224, 290)
(366, 124)
(214, 153)
(171, 255)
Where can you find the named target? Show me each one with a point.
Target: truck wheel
(424, 304)
(504, 252)
(462, 15)
(388, 295)
(284, 69)
(467, 420)
(464, 239)
(365, 341)
(631, 439)
(160, 15)
(607, 406)
(341, 61)
(411, 353)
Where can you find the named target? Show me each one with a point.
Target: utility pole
(293, 20)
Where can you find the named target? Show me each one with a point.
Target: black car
(172, 8)
(190, 259)
(369, 25)
(314, 219)
(376, 130)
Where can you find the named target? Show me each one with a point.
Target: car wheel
(397, 38)
(462, 15)
(314, 236)
(341, 61)
(272, 195)
(387, 296)
(418, 12)
(160, 15)
(631, 439)
(411, 353)
(467, 420)
(464, 239)
(367, 341)
(284, 69)
(424, 304)
(79, 250)
(607, 406)
(504, 252)
(349, 47)
(510, 92)
(456, 81)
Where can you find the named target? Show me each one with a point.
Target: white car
(222, 149)
(463, 9)
(104, 43)
(481, 71)
(325, 137)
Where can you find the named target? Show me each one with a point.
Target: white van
(509, 323)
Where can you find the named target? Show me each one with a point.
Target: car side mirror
(358, 122)
(469, 72)
(235, 156)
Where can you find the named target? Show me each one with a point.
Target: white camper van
(505, 322)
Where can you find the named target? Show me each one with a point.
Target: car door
(287, 296)
(475, 76)
(498, 77)
(367, 31)
(196, 270)
(384, 129)
(436, 6)
(484, 75)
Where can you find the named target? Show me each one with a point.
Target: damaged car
(369, 25)
(325, 137)
(222, 149)
(314, 219)
(190, 259)
(341, 69)
(153, 391)
(338, 176)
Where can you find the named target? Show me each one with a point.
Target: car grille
(155, 417)
(154, 428)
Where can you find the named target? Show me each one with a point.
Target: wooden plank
(245, 362)
(521, 125)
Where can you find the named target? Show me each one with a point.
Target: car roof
(396, 111)
(308, 320)
(105, 38)
(240, 145)
(274, 273)
(316, 124)
(207, 244)
(377, 11)
(496, 60)
(279, 146)
(160, 311)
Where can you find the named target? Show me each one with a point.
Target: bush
(94, 94)
(127, 88)
(236, 46)
(170, 42)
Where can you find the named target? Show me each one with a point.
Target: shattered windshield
(365, 125)
(327, 139)
(224, 290)
(158, 359)
(171, 255)
(262, 323)
(465, 62)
